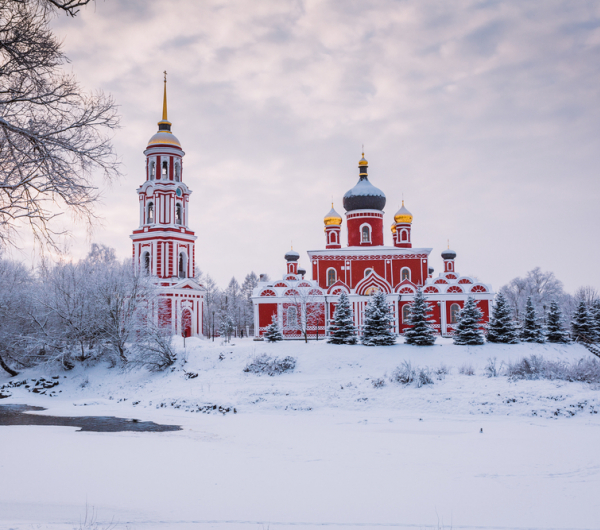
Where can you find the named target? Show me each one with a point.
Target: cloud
(483, 113)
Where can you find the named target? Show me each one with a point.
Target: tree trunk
(7, 368)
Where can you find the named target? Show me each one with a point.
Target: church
(363, 267)
(163, 243)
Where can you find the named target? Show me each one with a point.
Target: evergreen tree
(501, 328)
(595, 320)
(555, 330)
(581, 325)
(421, 332)
(376, 330)
(226, 326)
(467, 331)
(532, 330)
(273, 333)
(341, 328)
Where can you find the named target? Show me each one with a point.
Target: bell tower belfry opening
(163, 243)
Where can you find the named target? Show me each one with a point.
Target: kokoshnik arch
(163, 244)
(362, 268)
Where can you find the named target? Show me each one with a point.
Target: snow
(316, 447)
(364, 188)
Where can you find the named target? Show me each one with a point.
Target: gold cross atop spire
(164, 115)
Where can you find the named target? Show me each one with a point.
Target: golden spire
(164, 116)
(448, 244)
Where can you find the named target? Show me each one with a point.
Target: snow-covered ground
(320, 446)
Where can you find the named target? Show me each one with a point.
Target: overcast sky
(485, 114)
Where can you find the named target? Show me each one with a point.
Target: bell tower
(163, 243)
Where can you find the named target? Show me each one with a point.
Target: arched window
(405, 313)
(165, 169)
(152, 170)
(331, 277)
(332, 237)
(177, 172)
(454, 311)
(178, 214)
(368, 271)
(292, 317)
(146, 262)
(150, 216)
(365, 234)
(404, 235)
(182, 265)
(405, 274)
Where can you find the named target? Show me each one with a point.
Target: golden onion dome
(403, 215)
(362, 161)
(332, 218)
(164, 138)
(393, 228)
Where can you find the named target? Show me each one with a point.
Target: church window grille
(405, 313)
(454, 311)
(292, 317)
(182, 265)
(150, 216)
(331, 277)
(366, 234)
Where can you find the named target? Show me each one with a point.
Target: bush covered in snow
(405, 374)
(491, 370)
(536, 367)
(265, 364)
(378, 382)
(466, 369)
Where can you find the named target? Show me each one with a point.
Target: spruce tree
(595, 320)
(532, 330)
(501, 328)
(273, 333)
(581, 323)
(378, 322)
(467, 332)
(421, 332)
(341, 328)
(556, 332)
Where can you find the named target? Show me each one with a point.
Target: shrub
(265, 364)
(490, 368)
(378, 383)
(441, 371)
(466, 369)
(404, 374)
(536, 367)
(424, 377)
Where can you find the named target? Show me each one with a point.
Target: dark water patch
(16, 415)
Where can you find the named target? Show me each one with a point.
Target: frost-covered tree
(501, 327)
(532, 329)
(581, 325)
(273, 331)
(248, 285)
(378, 322)
(226, 326)
(468, 332)
(53, 136)
(595, 320)
(421, 332)
(555, 330)
(341, 327)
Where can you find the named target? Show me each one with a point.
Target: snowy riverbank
(318, 445)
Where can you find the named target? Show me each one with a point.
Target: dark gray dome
(292, 255)
(431, 270)
(364, 196)
(301, 271)
(448, 254)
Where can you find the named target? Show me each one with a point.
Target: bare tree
(588, 294)
(53, 136)
(307, 304)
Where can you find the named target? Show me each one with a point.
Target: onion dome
(393, 228)
(431, 270)
(364, 196)
(332, 218)
(403, 215)
(448, 254)
(301, 271)
(164, 136)
(292, 255)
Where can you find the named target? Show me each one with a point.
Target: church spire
(164, 124)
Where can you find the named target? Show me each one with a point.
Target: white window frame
(362, 226)
(335, 276)
(402, 273)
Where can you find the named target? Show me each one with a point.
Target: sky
(483, 115)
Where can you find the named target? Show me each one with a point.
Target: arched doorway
(186, 323)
